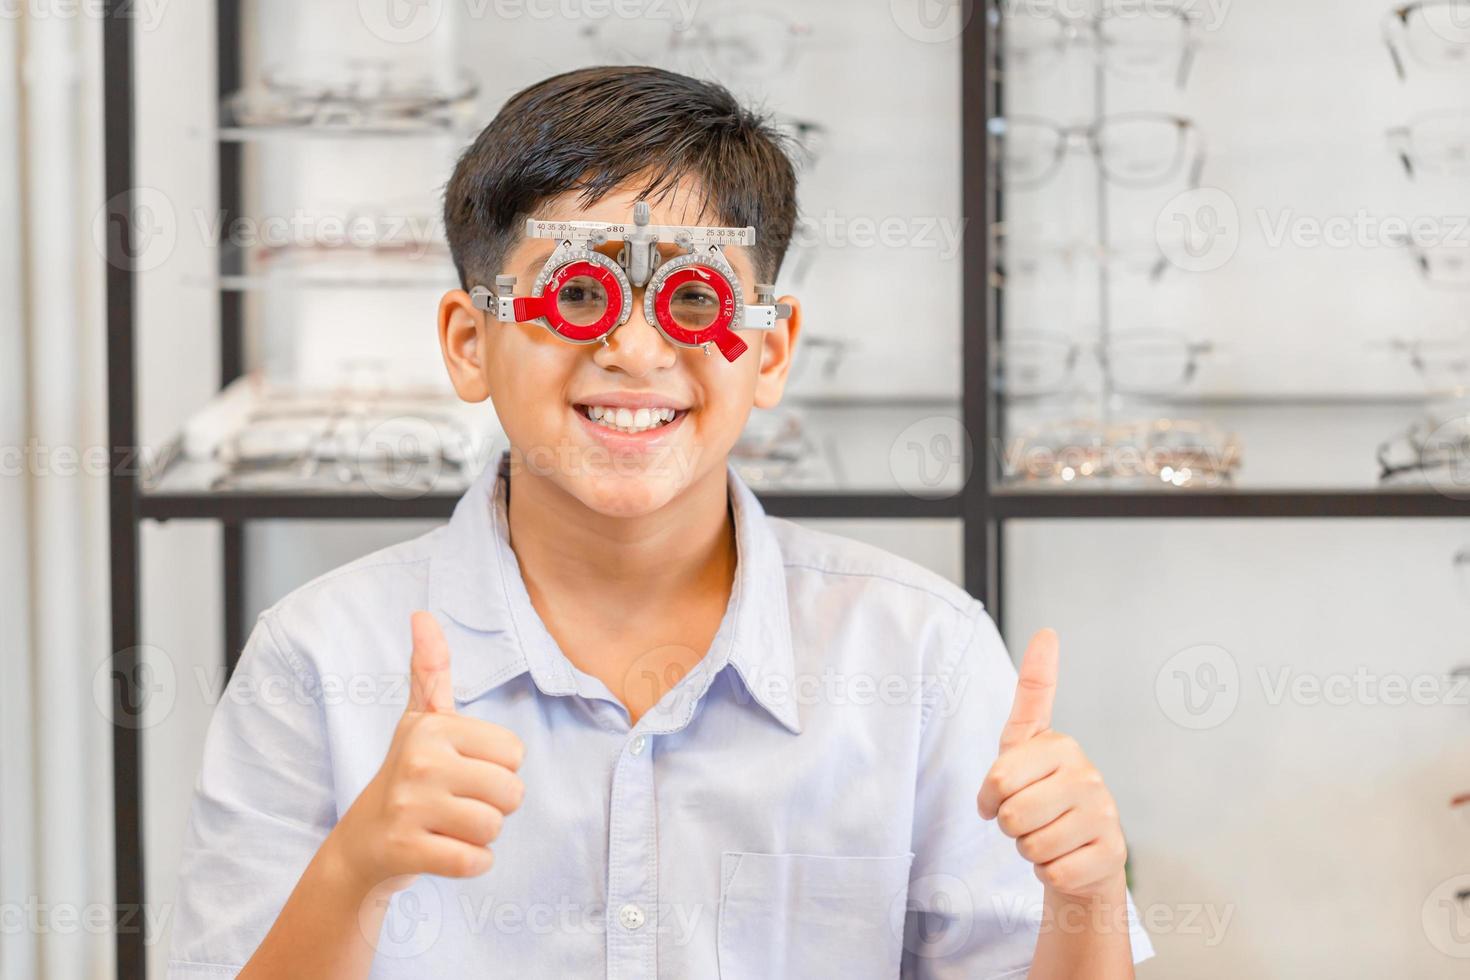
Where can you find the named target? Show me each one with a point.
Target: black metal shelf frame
(982, 505)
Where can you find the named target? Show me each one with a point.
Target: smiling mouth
(630, 420)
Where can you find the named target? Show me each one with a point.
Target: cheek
(728, 395)
(526, 378)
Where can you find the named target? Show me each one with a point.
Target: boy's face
(546, 390)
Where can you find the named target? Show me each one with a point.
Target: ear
(463, 343)
(777, 347)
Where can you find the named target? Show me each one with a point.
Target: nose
(636, 348)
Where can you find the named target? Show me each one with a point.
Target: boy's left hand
(1044, 792)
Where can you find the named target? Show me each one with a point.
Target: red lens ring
(709, 276)
(578, 332)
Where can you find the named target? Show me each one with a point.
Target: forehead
(682, 204)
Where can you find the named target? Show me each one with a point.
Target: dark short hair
(597, 129)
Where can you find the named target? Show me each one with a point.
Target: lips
(632, 438)
(629, 420)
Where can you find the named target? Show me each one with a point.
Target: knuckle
(464, 863)
(494, 823)
(1009, 819)
(1059, 877)
(400, 803)
(398, 842)
(515, 751)
(515, 792)
(416, 767)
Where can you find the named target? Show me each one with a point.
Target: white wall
(1315, 828)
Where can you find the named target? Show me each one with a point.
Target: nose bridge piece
(640, 247)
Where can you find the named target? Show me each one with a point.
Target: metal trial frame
(981, 505)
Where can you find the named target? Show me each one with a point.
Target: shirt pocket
(811, 915)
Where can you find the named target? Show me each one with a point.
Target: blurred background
(1143, 320)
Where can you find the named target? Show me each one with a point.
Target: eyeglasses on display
(1036, 363)
(1132, 43)
(1433, 34)
(1136, 149)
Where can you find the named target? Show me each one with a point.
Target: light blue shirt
(801, 804)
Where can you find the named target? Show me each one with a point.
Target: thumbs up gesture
(1043, 792)
(444, 789)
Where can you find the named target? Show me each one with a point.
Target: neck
(621, 563)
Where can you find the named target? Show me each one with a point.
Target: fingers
(471, 821)
(1021, 766)
(430, 687)
(1031, 809)
(1036, 688)
(452, 858)
(1059, 838)
(478, 739)
(1084, 869)
(487, 783)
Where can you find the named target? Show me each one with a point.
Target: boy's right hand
(444, 789)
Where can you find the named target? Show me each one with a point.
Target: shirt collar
(475, 581)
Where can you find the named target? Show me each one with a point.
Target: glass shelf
(261, 269)
(839, 460)
(1280, 449)
(233, 128)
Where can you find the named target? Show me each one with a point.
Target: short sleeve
(974, 903)
(262, 806)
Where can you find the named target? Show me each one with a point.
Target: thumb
(429, 683)
(1036, 689)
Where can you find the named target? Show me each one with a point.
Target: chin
(623, 492)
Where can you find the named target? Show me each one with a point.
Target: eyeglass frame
(1193, 350)
(1398, 18)
(1071, 33)
(1088, 135)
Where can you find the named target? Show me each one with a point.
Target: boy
(702, 742)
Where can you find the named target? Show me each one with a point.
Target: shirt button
(636, 746)
(631, 916)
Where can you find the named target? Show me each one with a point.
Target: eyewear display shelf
(858, 440)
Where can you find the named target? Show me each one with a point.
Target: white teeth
(629, 420)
